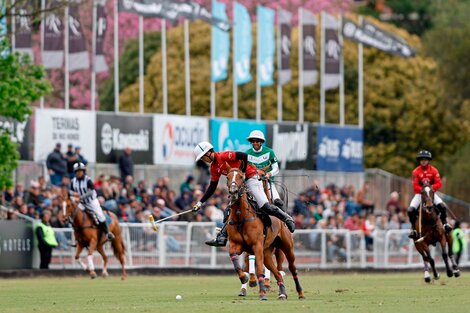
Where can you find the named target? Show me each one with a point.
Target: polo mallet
(154, 223)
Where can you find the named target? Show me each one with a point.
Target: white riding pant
(94, 206)
(273, 190)
(255, 188)
(416, 201)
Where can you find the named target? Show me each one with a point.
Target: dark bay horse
(89, 236)
(245, 232)
(431, 231)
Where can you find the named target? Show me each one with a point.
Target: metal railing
(181, 245)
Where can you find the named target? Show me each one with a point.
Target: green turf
(395, 292)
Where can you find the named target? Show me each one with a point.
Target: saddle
(92, 216)
(265, 218)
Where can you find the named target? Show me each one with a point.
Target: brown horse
(245, 232)
(89, 236)
(277, 253)
(431, 231)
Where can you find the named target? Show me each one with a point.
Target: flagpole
(341, 73)
(141, 64)
(279, 86)
(66, 55)
(187, 68)
(322, 70)
(116, 57)
(93, 59)
(258, 86)
(301, 67)
(360, 69)
(164, 73)
(212, 100)
(43, 5)
(234, 69)
(13, 26)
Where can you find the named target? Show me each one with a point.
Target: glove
(197, 206)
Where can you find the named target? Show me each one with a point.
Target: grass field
(394, 292)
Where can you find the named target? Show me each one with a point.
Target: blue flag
(3, 27)
(266, 45)
(242, 43)
(220, 44)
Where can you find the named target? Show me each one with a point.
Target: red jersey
(429, 174)
(219, 168)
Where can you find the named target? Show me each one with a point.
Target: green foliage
(128, 69)
(457, 169)
(21, 83)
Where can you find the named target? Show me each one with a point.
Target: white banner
(67, 127)
(175, 138)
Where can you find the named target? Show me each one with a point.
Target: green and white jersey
(263, 158)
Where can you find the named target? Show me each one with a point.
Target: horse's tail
(118, 243)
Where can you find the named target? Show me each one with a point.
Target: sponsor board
(116, 132)
(74, 127)
(175, 138)
(340, 149)
(20, 133)
(293, 144)
(16, 244)
(229, 134)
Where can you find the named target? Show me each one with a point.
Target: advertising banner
(78, 54)
(293, 144)
(243, 43)
(333, 52)
(74, 127)
(116, 132)
(309, 48)
(266, 45)
(16, 244)
(20, 133)
(174, 138)
(53, 36)
(229, 134)
(340, 149)
(220, 45)
(285, 45)
(23, 35)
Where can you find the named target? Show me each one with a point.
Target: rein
(241, 194)
(72, 217)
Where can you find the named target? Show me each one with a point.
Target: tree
(21, 83)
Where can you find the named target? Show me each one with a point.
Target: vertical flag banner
(242, 43)
(3, 24)
(101, 28)
(266, 45)
(285, 45)
(220, 44)
(53, 37)
(309, 48)
(78, 54)
(332, 52)
(22, 20)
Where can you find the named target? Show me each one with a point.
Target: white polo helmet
(202, 148)
(256, 134)
(79, 166)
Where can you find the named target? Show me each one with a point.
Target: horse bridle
(235, 189)
(427, 190)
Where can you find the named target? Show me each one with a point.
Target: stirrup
(413, 234)
(219, 241)
(447, 228)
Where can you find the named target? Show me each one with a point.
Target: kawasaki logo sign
(115, 133)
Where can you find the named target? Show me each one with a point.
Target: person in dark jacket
(56, 165)
(126, 164)
(71, 160)
(46, 239)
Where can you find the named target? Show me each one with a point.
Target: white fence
(181, 245)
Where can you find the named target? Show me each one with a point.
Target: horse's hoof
(253, 282)
(93, 275)
(123, 277)
(301, 297)
(450, 273)
(104, 274)
(282, 297)
(242, 292)
(427, 279)
(263, 298)
(457, 273)
(437, 277)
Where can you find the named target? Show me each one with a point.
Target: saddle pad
(263, 216)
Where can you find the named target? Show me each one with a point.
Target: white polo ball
(179, 297)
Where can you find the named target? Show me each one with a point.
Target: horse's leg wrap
(236, 264)
(298, 287)
(282, 288)
(262, 288)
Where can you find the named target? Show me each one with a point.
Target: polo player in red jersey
(426, 173)
(218, 160)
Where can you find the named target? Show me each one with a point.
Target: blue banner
(3, 27)
(242, 44)
(266, 45)
(220, 44)
(340, 149)
(227, 134)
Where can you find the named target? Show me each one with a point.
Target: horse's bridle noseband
(238, 189)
